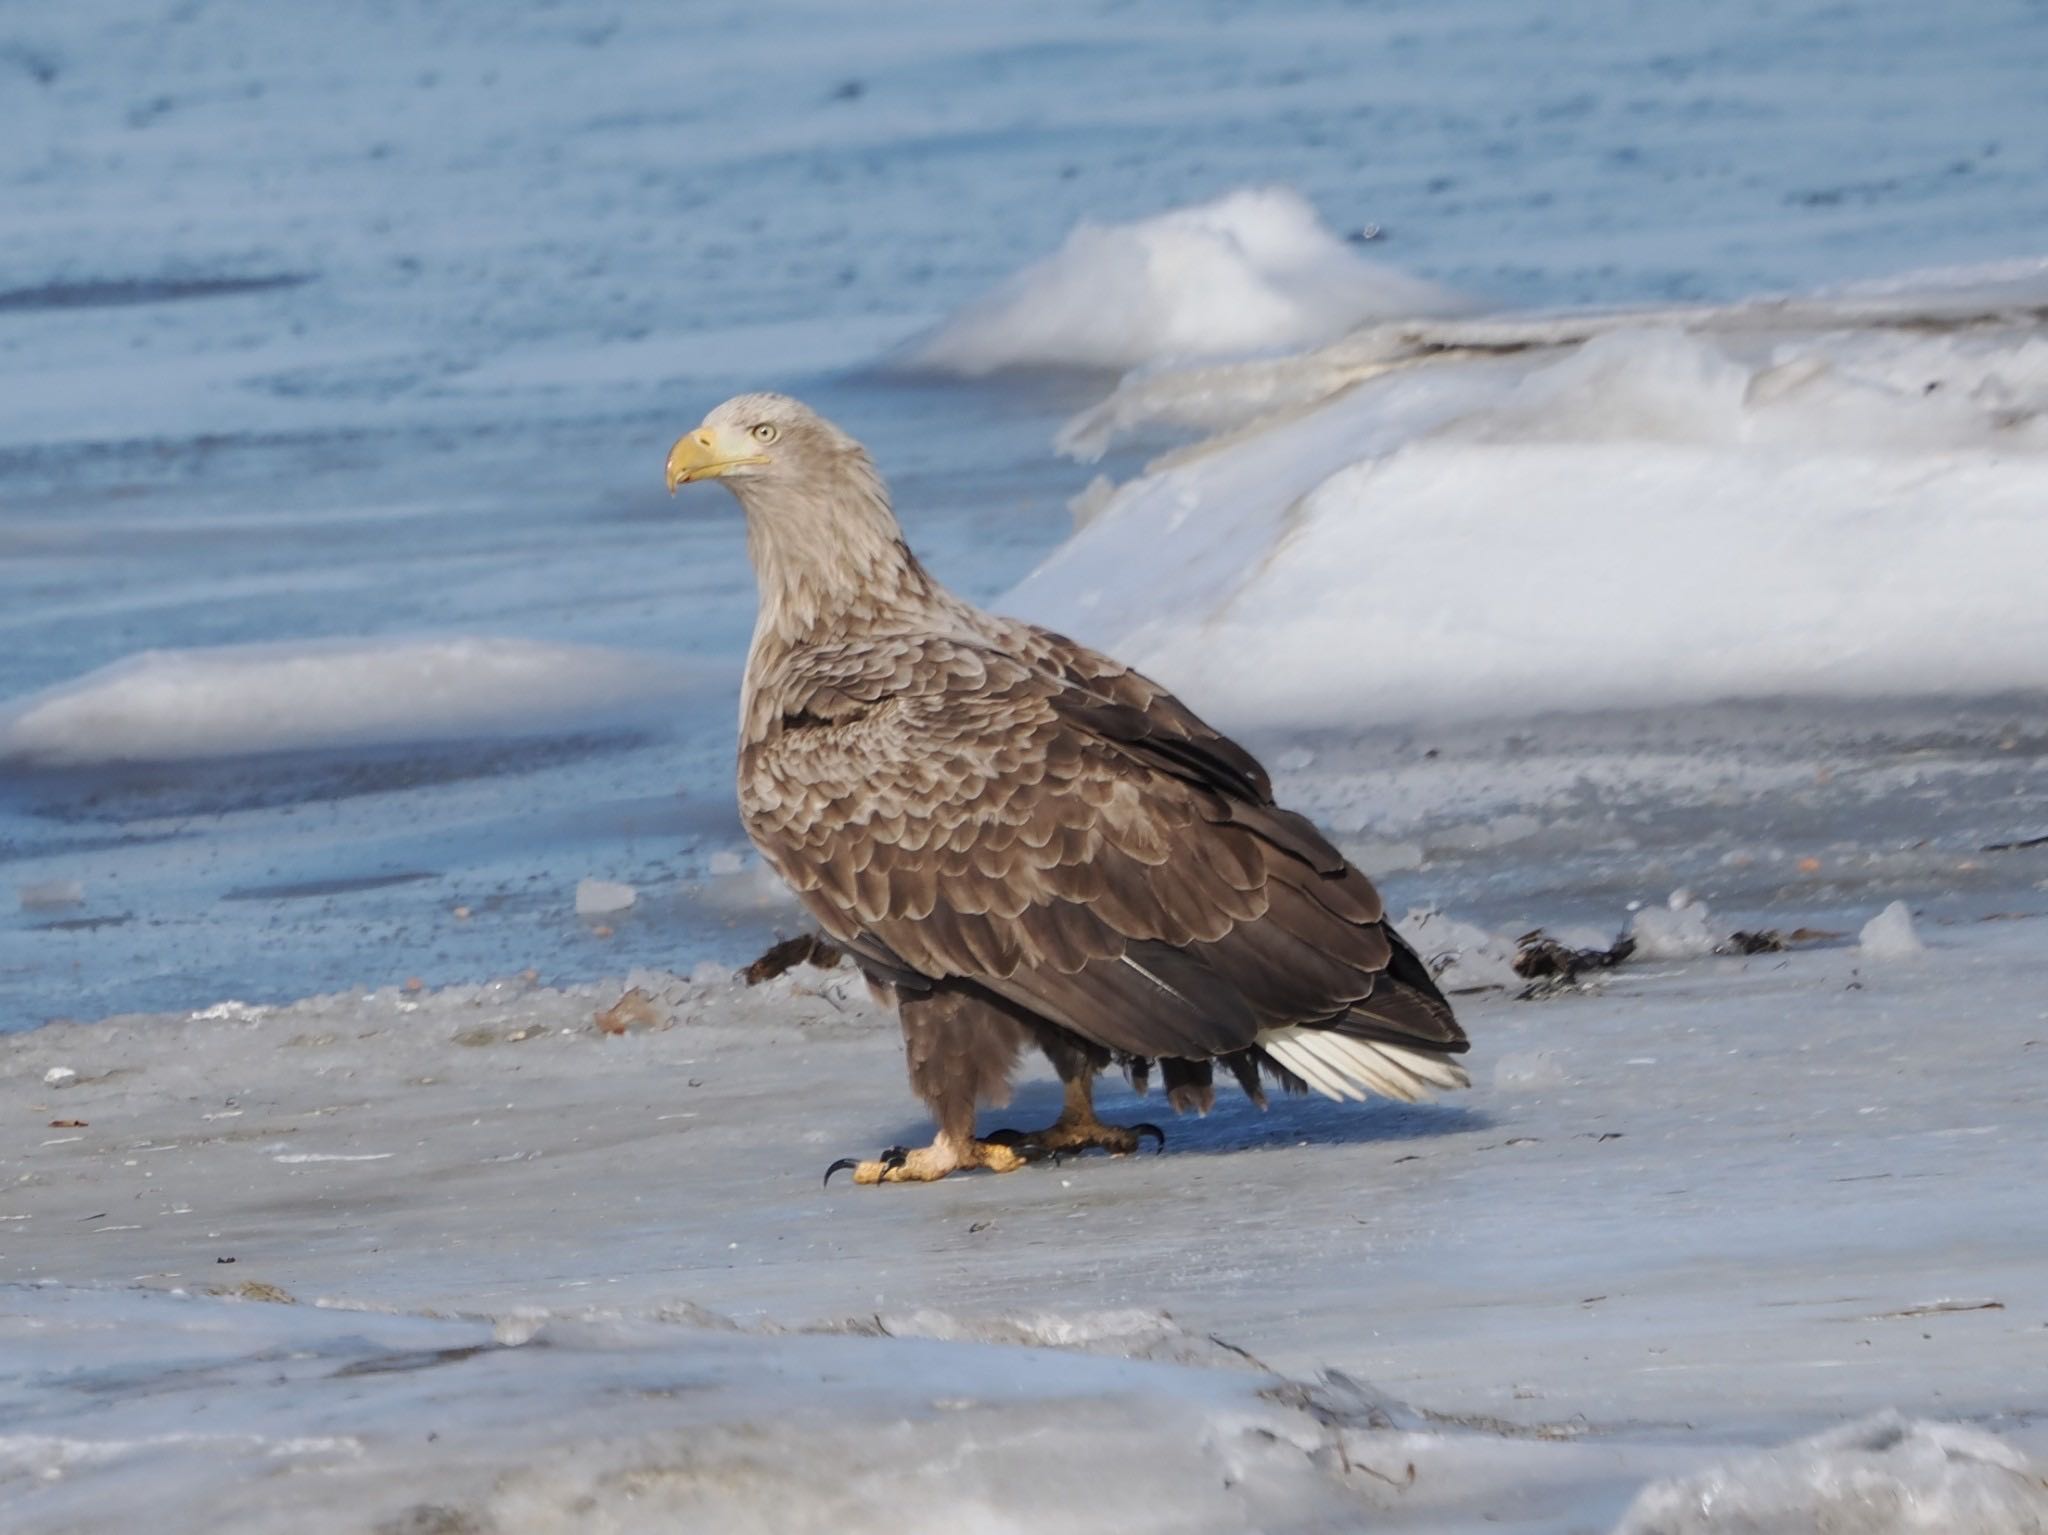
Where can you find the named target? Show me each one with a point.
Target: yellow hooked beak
(709, 453)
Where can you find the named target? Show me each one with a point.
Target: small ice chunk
(600, 897)
(52, 894)
(1883, 1475)
(1890, 934)
(726, 861)
(59, 1076)
(1678, 930)
(1459, 954)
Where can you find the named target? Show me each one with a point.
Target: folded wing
(1063, 832)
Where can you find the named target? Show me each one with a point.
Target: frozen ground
(346, 638)
(1704, 1206)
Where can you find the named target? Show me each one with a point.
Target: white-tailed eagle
(1021, 841)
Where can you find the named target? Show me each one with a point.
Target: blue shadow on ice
(1235, 1124)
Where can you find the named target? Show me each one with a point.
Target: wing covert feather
(1061, 831)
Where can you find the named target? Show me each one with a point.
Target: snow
(1252, 271)
(1890, 934)
(1884, 1475)
(1740, 504)
(248, 699)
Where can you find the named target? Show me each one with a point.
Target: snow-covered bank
(240, 700)
(1255, 270)
(1696, 1210)
(1500, 517)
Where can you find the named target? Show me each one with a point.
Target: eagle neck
(831, 562)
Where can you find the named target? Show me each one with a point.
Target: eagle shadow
(1235, 1123)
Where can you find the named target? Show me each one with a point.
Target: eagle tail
(1400, 1042)
(1340, 1065)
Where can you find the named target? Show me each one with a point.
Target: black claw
(843, 1162)
(1159, 1135)
(1005, 1137)
(895, 1156)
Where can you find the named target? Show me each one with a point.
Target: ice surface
(300, 345)
(248, 699)
(1890, 934)
(279, 1417)
(1674, 1200)
(1254, 270)
(1885, 1475)
(1640, 516)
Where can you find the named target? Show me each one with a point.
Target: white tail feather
(1339, 1066)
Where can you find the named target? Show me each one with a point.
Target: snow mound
(171, 705)
(1884, 1475)
(1890, 934)
(1636, 516)
(1676, 930)
(1254, 270)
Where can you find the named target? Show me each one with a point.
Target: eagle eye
(766, 432)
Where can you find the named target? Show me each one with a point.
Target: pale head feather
(828, 554)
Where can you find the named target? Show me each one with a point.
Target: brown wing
(1106, 861)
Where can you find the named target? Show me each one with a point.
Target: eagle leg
(1077, 1129)
(927, 1164)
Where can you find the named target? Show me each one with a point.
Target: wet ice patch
(1885, 1475)
(1251, 271)
(175, 705)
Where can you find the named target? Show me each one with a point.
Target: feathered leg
(960, 1051)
